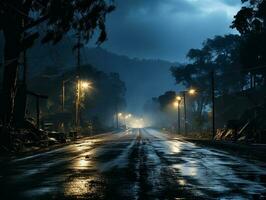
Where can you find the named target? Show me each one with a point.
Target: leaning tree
(18, 21)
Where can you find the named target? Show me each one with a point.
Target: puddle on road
(77, 187)
(212, 174)
(214, 171)
(84, 161)
(186, 170)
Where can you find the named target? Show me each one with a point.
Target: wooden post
(116, 114)
(38, 112)
(179, 120)
(213, 104)
(185, 111)
(63, 96)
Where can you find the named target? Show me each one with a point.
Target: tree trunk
(12, 35)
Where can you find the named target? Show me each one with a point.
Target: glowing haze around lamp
(192, 91)
(178, 98)
(176, 104)
(85, 84)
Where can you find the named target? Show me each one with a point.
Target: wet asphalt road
(136, 164)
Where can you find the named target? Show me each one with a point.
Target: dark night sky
(166, 29)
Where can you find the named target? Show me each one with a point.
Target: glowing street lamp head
(128, 116)
(120, 114)
(192, 91)
(85, 85)
(176, 104)
(178, 98)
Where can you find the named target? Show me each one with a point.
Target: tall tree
(250, 21)
(18, 19)
(219, 54)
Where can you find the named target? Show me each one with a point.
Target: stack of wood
(246, 133)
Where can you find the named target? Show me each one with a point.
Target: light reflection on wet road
(135, 164)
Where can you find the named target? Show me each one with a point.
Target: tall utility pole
(63, 96)
(116, 114)
(185, 111)
(78, 85)
(38, 112)
(179, 120)
(213, 104)
(177, 104)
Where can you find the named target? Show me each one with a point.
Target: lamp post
(81, 86)
(177, 104)
(213, 104)
(185, 110)
(126, 117)
(77, 105)
(184, 93)
(119, 115)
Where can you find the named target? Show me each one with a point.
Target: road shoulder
(247, 151)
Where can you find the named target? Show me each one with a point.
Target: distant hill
(144, 78)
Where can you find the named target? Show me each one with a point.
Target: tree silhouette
(220, 54)
(18, 20)
(107, 93)
(168, 98)
(250, 21)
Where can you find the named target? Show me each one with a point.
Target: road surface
(134, 164)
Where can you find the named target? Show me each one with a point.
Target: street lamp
(177, 104)
(178, 98)
(118, 116)
(190, 92)
(126, 117)
(82, 86)
(85, 85)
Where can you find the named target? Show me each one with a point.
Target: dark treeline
(100, 102)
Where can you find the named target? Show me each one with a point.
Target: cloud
(166, 29)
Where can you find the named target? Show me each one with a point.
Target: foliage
(221, 55)
(60, 16)
(18, 21)
(160, 110)
(107, 93)
(166, 99)
(250, 21)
